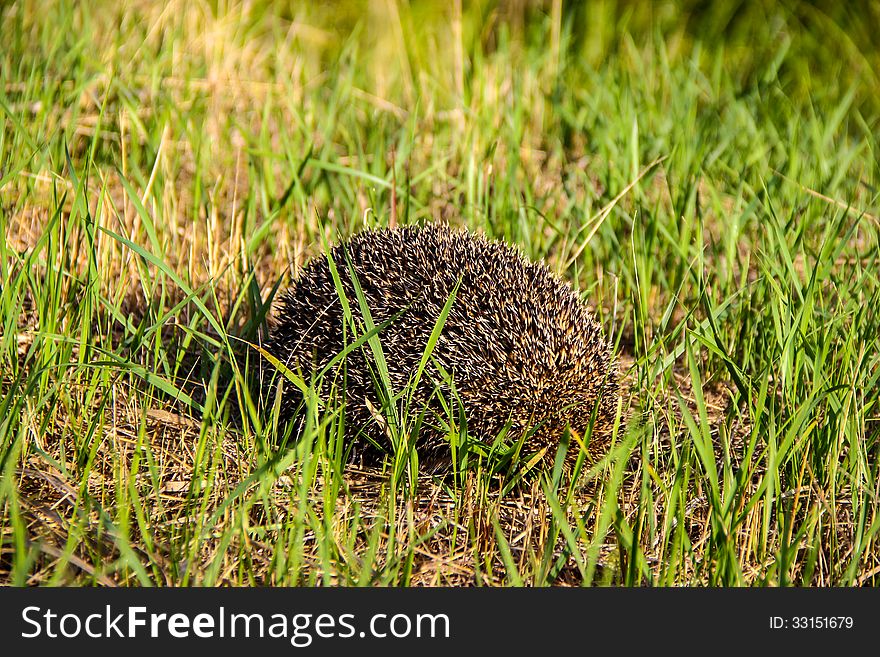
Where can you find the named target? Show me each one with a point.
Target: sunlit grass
(708, 179)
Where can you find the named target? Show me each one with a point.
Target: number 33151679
(812, 622)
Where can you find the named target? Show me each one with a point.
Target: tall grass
(706, 176)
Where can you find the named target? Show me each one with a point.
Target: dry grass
(227, 142)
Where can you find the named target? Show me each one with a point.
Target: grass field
(707, 174)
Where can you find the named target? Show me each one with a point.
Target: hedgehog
(518, 351)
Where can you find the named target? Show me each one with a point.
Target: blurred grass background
(705, 172)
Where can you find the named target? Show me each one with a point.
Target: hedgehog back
(522, 348)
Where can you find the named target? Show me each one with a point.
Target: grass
(706, 175)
